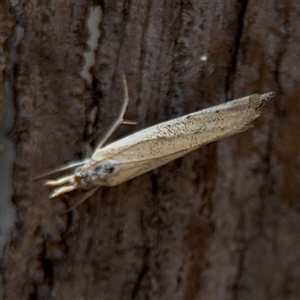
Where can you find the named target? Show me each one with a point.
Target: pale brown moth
(157, 145)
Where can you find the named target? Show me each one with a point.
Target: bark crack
(282, 48)
(234, 59)
(241, 254)
(143, 273)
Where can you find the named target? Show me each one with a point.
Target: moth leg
(60, 181)
(83, 199)
(120, 120)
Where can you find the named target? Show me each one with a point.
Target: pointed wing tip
(267, 96)
(258, 101)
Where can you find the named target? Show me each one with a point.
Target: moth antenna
(84, 198)
(120, 118)
(62, 168)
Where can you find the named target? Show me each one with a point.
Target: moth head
(96, 173)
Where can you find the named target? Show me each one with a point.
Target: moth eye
(105, 169)
(110, 169)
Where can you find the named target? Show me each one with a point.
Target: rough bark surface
(219, 223)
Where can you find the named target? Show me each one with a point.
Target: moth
(157, 145)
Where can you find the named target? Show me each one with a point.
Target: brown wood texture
(219, 223)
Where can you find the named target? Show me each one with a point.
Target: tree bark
(219, 223)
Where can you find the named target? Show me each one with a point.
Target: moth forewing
(157, 145)
(185, 132)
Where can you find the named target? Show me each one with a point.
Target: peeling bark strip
(157, 145)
